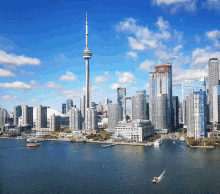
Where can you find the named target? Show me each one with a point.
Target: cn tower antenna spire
(87, 43)
(87, 54)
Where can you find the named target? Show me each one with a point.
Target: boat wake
(161, 176)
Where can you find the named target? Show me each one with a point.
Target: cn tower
(87, 54)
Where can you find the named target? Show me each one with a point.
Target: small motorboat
(105, 146)
(32, 144)
(155, 180)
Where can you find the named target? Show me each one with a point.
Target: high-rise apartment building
(121, 93)
(41, 117)
(54, 122)
(69, 105)
(213, 81)
(216, 103)
(161, 91)
(3, 118)
(196, 114)
(175, 112)
(74, 119)
(113, 115)
(187, 87)
(91, 120)
(105, 103)
(139, 106)
(180, 112)
(64, 108)
(27, 116)
(17, 113)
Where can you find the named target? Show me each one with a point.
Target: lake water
(64, 167)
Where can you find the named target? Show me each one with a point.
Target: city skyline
(41, 52)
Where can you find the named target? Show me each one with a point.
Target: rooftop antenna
(164, 58)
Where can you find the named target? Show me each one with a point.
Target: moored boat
(32, 144)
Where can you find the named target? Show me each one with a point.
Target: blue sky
(41, 45)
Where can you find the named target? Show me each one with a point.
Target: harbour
(66, 167)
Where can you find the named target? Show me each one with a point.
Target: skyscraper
(187, 87)
(17, 113)
(113, 115)
(105, 103)
(69, 105)
(3, 118)
(175, 112)
(213, 81)
(41, 117)
(74, 121)
(196, 117)
(27, 115)
(161, 84)
(54, 122)
(91, 119)
(216, 103)
(87, 54)
(121, 93)
(139, 106)
(63, 108)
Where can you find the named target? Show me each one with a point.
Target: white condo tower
(87, 54)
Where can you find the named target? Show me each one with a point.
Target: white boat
(158, 179)
(182, 138)
(157, 142)
(32, 144)
(155, 180)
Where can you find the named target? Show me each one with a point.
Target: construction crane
(164, 58)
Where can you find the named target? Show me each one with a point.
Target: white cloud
(135, 45)
(126, 78)
(133, 55)
(75, 94)
(197, 38)
(200, 57)
(177, 48)
(26, 73)
(53, 85)
(34, 83)
(143, 38)
(146, 86)
(183, 75)
(163, 25)
(6, 73)
(169, 2)
(17, 60)
(11, 98)
(17, 84)
(115, 86)
(128, 25)
(174, 5)
(147, 66)
(211, 4)
(213, 34)
(103, 79)
(60, 58)
(150, 43)
(35, 100)
(69, 76)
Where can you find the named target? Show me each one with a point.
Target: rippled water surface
(64, 167)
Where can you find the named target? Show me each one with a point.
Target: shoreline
(206, 147)
(100, 142)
